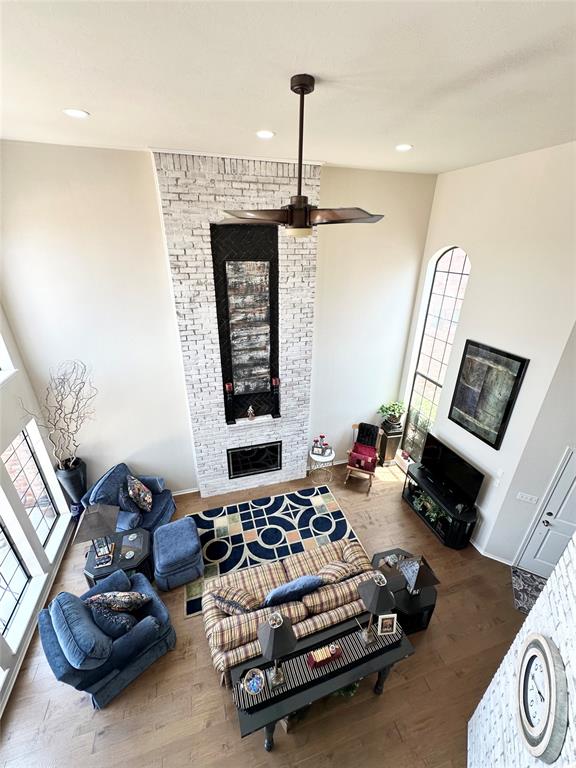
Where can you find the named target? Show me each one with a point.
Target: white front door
(556, 524)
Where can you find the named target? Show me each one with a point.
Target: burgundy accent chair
(363, 456)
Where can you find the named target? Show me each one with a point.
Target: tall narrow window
(24, 472)
(13, 580)
(442, 315)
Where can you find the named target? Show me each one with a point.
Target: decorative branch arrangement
(67, 405)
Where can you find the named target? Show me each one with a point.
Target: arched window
(442, 314)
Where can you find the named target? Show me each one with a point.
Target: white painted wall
(85, 275)
(514, 218)
(553, 431)
(15, 388)
(365, 288)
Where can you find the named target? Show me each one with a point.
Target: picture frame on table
(387, 624)
(326, 450)
(317, 450)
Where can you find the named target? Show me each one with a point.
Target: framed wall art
(486, 389)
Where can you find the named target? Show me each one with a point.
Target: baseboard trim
(484, 553)
(185, 491)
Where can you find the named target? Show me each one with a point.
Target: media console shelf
(454, 527)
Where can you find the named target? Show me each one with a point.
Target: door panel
(552, 547)
(556, 525)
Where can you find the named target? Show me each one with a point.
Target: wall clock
(542, 698)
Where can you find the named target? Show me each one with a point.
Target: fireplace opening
(254, 459)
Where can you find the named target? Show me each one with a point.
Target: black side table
(390, 442)
(138, 541)
(414, 611)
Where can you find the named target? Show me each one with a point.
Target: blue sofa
(107, 666)
(107, 489)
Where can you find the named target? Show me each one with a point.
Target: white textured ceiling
(464, 82)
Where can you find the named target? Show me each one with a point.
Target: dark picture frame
(487, 386)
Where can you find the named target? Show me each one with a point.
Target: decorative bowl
(253, 682)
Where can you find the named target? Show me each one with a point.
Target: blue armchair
(107, 491)
(101, 666)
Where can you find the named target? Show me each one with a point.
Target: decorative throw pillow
(127, 505)
(119, 601)
(355, 554)
(139, 493)
(336, 571)
(113, 623)
(234, 601)
(293, 590)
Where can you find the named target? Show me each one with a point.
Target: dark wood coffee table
(141, 561)
(267, 715)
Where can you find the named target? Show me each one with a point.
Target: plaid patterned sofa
(233, 639)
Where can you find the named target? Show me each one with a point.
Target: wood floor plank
(176, 714)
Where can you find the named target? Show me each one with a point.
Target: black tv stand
(457, 522)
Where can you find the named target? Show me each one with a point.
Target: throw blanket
(367, 434)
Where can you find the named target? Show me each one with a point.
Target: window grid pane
(26, 476)
(444, 305)
(14, 579)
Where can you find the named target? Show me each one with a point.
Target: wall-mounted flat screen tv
(451, 471)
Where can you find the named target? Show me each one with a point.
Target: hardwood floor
(176, 714)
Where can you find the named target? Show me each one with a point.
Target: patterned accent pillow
(234, 601)
(126, 503)
(119, 601)
(139, 493)
(353, 552)
(336, 571)
(113, 623)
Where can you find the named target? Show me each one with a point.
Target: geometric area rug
(263, 530)
(526, 588)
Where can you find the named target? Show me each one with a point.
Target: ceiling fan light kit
(299, 217)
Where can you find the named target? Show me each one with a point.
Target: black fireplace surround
(254, 459)
(245, 262)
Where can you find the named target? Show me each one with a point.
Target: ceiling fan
(299, 216)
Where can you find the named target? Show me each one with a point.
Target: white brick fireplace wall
(493, 737)
(194, 191)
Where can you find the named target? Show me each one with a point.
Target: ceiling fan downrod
(302, 85)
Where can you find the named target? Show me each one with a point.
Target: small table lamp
(417, 573)
(96, 523)
(277, 639)
(378, 600)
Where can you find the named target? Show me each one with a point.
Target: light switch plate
(527, 497)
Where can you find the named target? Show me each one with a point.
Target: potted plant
(392, 412)
(67, 405)
(428, 507)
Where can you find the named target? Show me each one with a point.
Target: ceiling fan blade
(265, 216)
(343, 216)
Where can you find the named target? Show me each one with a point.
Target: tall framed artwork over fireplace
(245, 260)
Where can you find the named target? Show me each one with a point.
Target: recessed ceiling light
(265, 134)
(404, 147)
(79, 114)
